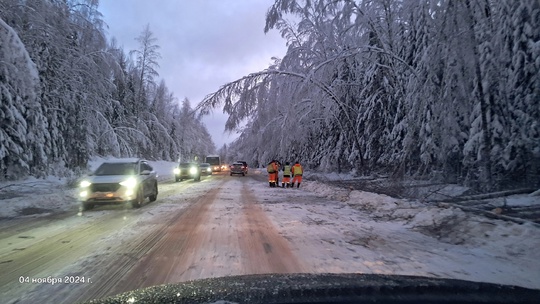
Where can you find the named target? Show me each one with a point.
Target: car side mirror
(146, 172)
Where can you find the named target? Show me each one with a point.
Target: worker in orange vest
(278, 166)
(272, 170)
(297, 172)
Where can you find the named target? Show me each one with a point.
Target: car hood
(107, 179)
(324, 288)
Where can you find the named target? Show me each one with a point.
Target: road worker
(278, 167)
(286, 175)
(297, 172)
(272, 170)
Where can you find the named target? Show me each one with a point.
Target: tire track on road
(48, 256)
(71, 242)
(154, 263)
(223, 233)
(267, 251)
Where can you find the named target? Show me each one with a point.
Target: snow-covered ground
(328, 229)
(342, 231)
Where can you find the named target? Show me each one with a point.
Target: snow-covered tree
(68, 95)
(445, 89)
(22, 124)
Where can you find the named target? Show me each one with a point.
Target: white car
(120, 181)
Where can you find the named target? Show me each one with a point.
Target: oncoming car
(187, 171)
(121, 181)
(206, 169)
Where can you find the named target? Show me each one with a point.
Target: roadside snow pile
(447, 224)
(383, 207)
(325, 190)
(33, 197)
(313, 175)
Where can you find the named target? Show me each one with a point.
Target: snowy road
(236, 225)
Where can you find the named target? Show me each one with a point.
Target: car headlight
(192, 170)
(129, 183)
(176, 171)
(85, 184)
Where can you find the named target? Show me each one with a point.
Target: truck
(215, 162)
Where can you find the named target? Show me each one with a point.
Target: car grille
(105, 187)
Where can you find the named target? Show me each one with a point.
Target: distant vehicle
(187, 171)
(238, 168)
(224, 167)
(215, 162)
(121, 181)
(206, 169)
(245, 165)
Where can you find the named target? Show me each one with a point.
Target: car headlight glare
(85, 184)
(176, 171)
(193, 170)
(129, 183)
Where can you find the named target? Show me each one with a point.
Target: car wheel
(176, 179)
(137, 202)
(198, 178)
(243, 174)
(153, 196)
(87, 206)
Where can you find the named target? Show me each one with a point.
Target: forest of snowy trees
(67, 94)
(433, 89)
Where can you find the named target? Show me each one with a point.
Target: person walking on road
(272, 170)
(278, 166)
(286, 175)
(297, 172)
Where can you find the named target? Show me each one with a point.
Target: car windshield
(116, 169)
(145, 143)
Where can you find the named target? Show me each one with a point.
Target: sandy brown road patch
(265, 249)
(101, 245)
(176, 248)
(223, 233)
(148, 260)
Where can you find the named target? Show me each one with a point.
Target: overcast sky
(203, 44)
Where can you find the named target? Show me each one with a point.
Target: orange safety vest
(271, 168)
